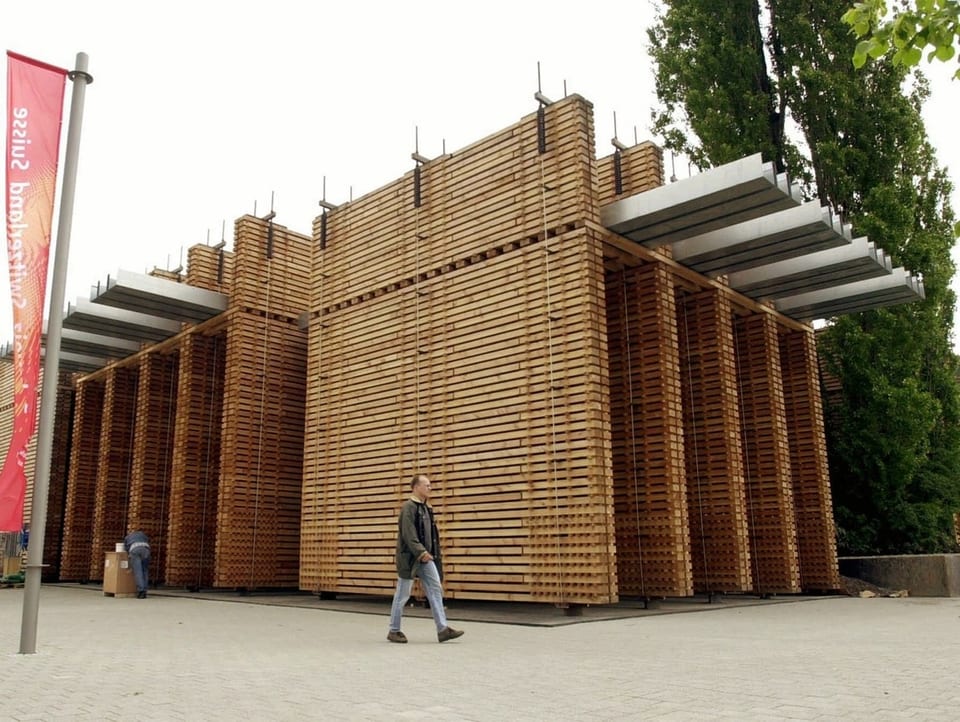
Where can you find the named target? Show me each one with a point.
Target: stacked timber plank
(114, 464)
(57, 487)
(258, 512)
(210, 268)
(816, 532)
(464, 337)
(715, 482)
(155, 412)
(650, 490)
(202, 434)
(641, 169)
(766, 452)
(195, 463)
(82, 481)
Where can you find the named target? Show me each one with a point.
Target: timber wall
(465, 338)
(599, 421)
(429, 326)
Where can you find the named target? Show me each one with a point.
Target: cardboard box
(118, 579)
(11, 565)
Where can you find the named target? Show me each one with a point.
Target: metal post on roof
(541, 115)
(617, 160)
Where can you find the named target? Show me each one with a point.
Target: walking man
(418, 555)
(138, 550)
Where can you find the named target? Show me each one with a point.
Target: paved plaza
(176, 657)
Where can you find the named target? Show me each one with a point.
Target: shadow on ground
(462, 610)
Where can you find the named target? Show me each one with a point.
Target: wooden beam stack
(195, 462)
(152, 459)
(816, 531)
(464, 338)
(653, 542)
(114, 465)
(715, 483)
(210, 268)
(766, 455)
(258, 515)
(641, 169)
(59, 467)
(82, 481)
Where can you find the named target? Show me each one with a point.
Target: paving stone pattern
(178, 658)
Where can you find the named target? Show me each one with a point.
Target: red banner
(34, 113)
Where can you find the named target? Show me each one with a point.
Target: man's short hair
(415, 480)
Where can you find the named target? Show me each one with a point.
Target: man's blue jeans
(430, 578)
(140, 563)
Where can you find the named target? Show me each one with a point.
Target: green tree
(734, 78)
(908, 32)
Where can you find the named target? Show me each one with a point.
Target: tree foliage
(908, 32)
(737, 77)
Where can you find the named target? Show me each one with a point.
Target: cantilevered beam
(761, 241)
(824, 269)
(720, 197)
(900, 286)
(91, 344)
(161, 297)
(107, 321)
(68, 361)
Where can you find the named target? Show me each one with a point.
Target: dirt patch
(860, 588)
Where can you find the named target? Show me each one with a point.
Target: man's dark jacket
(417, 533)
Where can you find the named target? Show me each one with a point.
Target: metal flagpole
(51, 364)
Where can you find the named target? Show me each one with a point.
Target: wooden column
(766, 453)
(153, 454)
(82, 481)
(715, 483)
(653, 539)
(816, 531)
(261, 461)
(59, 470)
(195, 463)
(114, 465)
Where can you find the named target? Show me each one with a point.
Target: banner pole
(51, 364)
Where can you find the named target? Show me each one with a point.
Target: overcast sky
(199, 110)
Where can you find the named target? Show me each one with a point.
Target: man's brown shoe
(448, 633)
(398, 637)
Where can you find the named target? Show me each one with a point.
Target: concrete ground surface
(175, 657)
